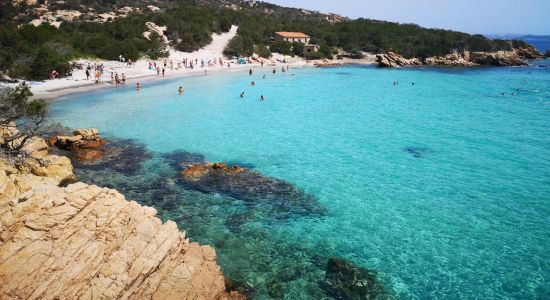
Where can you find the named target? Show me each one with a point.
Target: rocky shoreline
(518, 56)
(65, 240)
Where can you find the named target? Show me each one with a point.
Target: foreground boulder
(87, 242)
(345, 280)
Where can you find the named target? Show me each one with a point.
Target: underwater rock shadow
(417, 152)
(345, 280)
(250, 186)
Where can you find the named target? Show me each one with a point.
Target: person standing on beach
(250, 72)
(87, 74)
(163, 72)
(158, 71)
(123, 78)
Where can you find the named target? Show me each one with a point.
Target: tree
(263, 51)
(326, 50)
(20, 118)
(281, 47)
(298, 49)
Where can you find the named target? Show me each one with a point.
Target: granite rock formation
(86, 242)
(392, 60)
(515, 57)
(84, 143)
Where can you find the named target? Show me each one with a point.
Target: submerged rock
(417, 152)
(123, 156)
(241, 288)
(345, 280)
(249, 186)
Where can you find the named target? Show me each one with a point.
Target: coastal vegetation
(31, 52)
(20, 119)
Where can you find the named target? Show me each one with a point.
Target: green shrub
(281, 47)
(263, 51)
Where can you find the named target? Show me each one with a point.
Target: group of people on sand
(185, 63)
(97, 71)
(129, 62)
(118, 79)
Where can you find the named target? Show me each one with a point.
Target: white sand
(141, 72)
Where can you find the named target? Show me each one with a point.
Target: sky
(471, 16)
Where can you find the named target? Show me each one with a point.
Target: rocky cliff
(515, 57)
(86, 242)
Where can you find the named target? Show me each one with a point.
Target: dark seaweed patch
(250, 186)
(181, 159)
(345, 280)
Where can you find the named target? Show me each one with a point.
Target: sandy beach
(140, 71)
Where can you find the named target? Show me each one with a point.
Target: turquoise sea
(442, 187)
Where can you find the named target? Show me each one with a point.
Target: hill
(37, 36)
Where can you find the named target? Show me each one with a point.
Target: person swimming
(252, 83)
(263, 77)
(250, 72)
(138, 87)
(180, 90)
(274, 71)
(242, 94)
(262, 98)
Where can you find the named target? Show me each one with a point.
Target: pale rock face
(86, 133)
(160, 30)
(52, 166)
(36, 147)
(87, 242)
(392, 60)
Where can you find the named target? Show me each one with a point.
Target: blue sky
(472, 16)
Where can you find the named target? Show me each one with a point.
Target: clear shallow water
(442, 187)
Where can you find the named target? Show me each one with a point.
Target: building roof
(295, 35)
